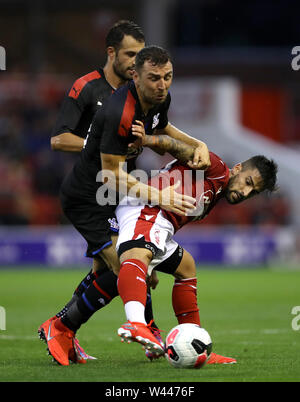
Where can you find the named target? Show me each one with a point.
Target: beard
(124, 74)
(153, 100)
(232, 195)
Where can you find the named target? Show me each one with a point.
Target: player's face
(243, 184)
(153, 82)
(124, 59)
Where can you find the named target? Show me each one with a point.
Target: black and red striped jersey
(207, 187)
(86, 96)
(110, 133)
(122, 110)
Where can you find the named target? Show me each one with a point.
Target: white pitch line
(18, 337)
(266, 331)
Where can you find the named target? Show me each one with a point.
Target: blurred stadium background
(234, 87)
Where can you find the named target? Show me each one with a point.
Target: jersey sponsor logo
(155, 120)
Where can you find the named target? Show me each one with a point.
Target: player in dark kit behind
(90, 92)
(87, 95)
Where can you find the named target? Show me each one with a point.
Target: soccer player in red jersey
(146, 233)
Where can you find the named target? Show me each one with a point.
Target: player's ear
(237, 168)
(135, 77)
(111, 52)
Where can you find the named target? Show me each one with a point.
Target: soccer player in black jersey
(146, 99)
(90, 92)
(87, 95)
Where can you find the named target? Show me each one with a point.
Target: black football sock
(100, 292)
(148, 310)
(77, 293)
(83, 285)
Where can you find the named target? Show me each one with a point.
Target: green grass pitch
(247, 313)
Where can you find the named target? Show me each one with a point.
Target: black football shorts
(95, 223)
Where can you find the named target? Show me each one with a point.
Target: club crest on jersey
(113, 224)
(155, 120)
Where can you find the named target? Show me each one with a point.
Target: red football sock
(184, 299)
(132, 281)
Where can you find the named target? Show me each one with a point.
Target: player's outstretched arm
(163, 143)
(201, 159)
(67, 142)
(178, 149)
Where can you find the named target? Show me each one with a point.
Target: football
(188, 346)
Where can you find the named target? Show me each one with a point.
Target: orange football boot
(156, 332)
(218, 359)
(60, 342)
(81, 355)
(141, 333)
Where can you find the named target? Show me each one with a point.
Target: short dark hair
(155, 54)
(121, 28)
(267, 168)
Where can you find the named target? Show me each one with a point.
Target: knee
(110, 257)
(187, 267)
(141, 254)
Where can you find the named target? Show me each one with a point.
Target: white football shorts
(136, 222)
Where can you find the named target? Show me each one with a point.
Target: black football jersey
(85, 97)
(110, 133)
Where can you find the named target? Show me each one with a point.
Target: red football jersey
(207, 187)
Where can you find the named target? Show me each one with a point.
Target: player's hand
(201, 159)
(152, 280)
(138, 130)
(177, 203)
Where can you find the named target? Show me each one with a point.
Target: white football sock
(135, 311)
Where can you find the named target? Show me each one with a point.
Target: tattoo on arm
(176, 148)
